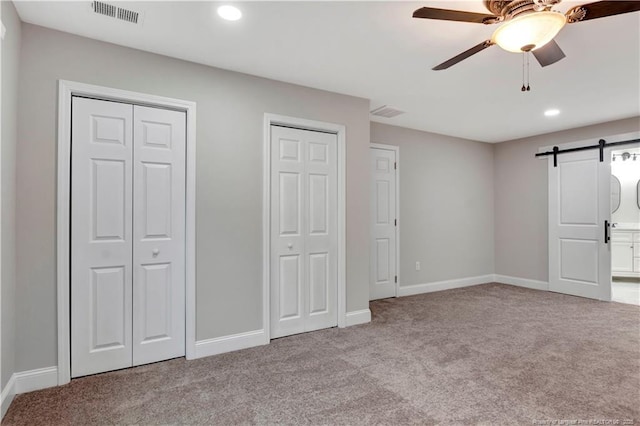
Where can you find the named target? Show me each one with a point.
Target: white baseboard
(28, 381)
(443, 285)
(234, 342)
(522, 282)
(7, 395)
(362, 316)
(32, 380)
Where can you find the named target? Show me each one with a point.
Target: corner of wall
(11, 44)
(7, 395)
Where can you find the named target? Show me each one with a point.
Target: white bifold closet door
(304, 234)
(127, 235)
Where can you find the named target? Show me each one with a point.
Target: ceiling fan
(526, 25)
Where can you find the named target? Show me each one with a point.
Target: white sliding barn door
(158, 234)
(382, 271)
(579, 204)
(101, 236)
(127, 235)
(304, 234)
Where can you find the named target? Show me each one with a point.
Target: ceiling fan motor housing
(508, 9)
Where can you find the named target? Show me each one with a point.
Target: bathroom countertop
(627, 227)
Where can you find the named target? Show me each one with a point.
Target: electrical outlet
(417, 266)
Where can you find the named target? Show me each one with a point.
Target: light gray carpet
(491, 354)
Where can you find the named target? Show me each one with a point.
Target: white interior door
(304, 234)
(579, 205)
(382, 273)
(158, 234)
(127, 235)
(101, 236)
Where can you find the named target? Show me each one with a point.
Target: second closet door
(304, 244)
(127, 235)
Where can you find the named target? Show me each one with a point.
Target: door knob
(290, 246)
(155, 252)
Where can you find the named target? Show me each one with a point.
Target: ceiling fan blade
(601, 9)
(548, 54)
(452, 15)
(464, 55)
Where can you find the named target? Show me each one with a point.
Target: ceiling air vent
(386, 111)
(115, 12)
(104, 8)
(128, 15)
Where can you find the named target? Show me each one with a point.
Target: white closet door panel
(304, 231)
(382, 271)
(382, 265)
(156, 288)
(289, 287)
(290, 194)
(319, 287)
(101, 236)
(320, 227)
(159, 234)
(287, 242)
(319, 185)
(108, 308)
(579, 203)
(157, 198)
(107, 214)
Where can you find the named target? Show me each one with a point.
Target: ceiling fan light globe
(536, 28)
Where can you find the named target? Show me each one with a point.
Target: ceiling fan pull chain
(523, 88)
(526, 88)
(528, 55)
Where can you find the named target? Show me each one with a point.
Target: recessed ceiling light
(551, 112)
(230, 13)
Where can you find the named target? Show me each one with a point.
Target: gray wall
(10, 59)
(231, 109)
(521, 195)
(446, 204)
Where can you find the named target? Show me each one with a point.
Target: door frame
(67, 89)
(319, 126)
(576, 144)
(396, 149)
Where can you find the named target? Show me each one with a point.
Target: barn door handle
(607, 238)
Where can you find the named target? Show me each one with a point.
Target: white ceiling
(375, 50)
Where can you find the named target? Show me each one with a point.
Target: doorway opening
(625, 223)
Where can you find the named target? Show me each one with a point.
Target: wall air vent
(386, 111)
(116, 12)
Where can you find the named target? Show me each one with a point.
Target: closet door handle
(607, 238)
(155, 252)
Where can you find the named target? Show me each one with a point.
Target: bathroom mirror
(615, 193)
